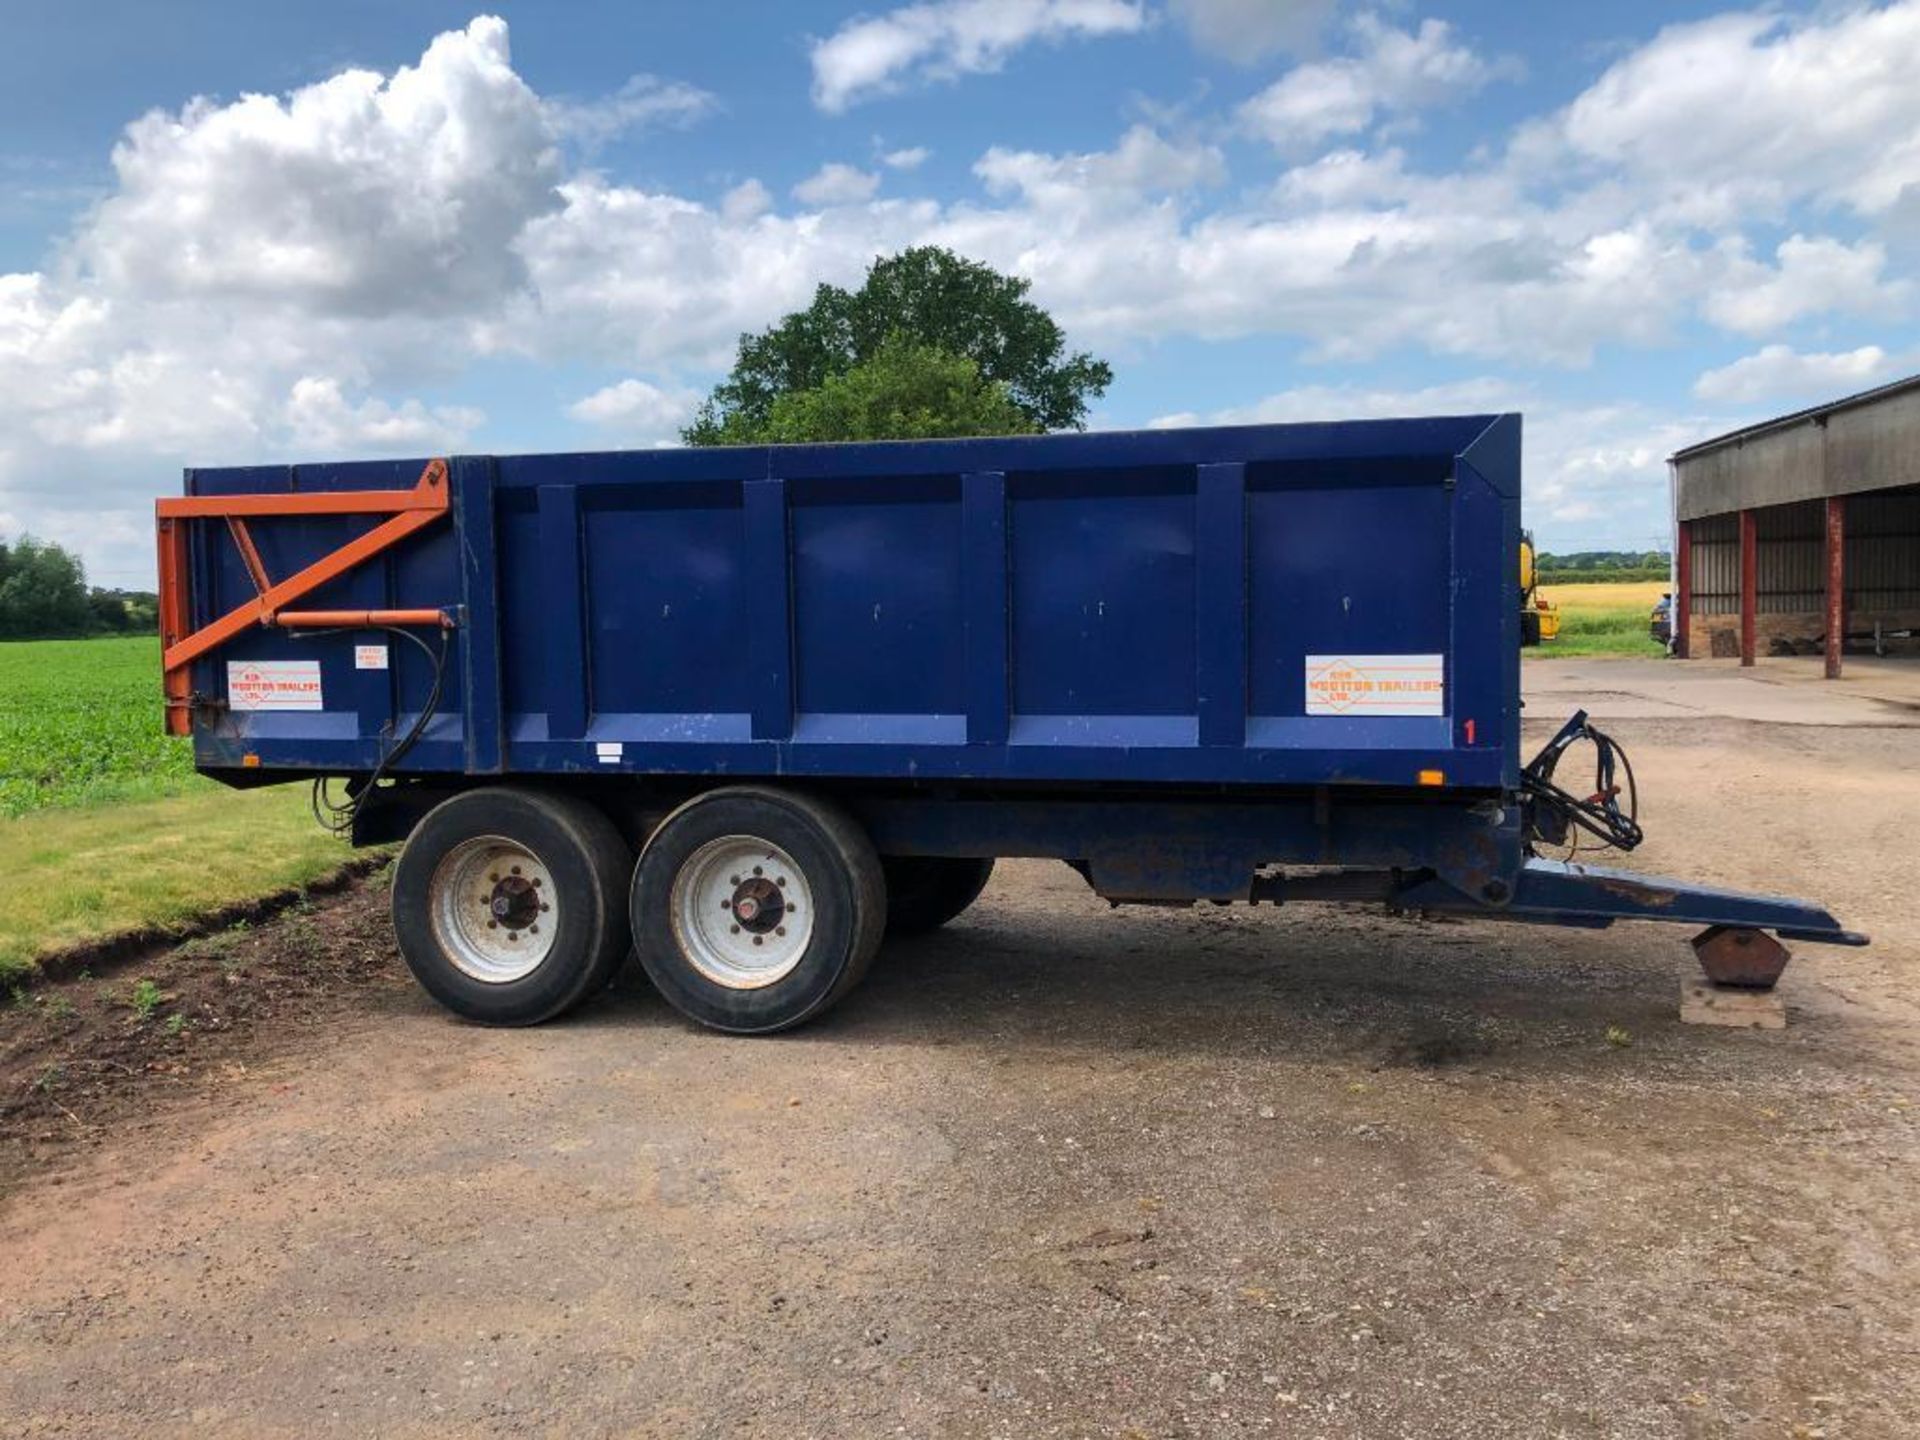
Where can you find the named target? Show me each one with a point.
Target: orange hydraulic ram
(347, 619)
(410, 510)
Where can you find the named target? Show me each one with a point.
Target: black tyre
(924, 892)
(755, 909)
(1529, 627)
(510, 904)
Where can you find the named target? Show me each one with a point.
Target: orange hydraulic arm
(410, 510)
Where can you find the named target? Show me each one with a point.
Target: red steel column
(1836, 582)
(1749, 584)
(1682, 613)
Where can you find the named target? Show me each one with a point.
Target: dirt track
(1056, 1171)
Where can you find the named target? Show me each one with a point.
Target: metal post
(1749, 584)
(1836, 582)
(1682, 612)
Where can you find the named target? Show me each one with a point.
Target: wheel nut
(544, 907)
(779, 929)
(493, 924)
(733, 929)
(781, 881)
(533, 929)
(759, 939)
(516, 870)
(758, 871)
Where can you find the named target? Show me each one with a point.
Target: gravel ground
(1055, 1171)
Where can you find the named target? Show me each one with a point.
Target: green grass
(80, 873)
(80, 723)
(1602, 618)
(103, 823)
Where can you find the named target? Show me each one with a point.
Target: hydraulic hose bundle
(1558, 817)
(338, 815)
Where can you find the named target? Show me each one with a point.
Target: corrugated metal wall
(1883, 556)
(1883, 550)
(1792, 552)
(1716, 565)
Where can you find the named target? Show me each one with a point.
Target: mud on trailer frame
(747, 711)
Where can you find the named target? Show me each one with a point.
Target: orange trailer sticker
(1376, 685)
(273, 685)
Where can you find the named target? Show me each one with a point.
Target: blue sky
(245, 232)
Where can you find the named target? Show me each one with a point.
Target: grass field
(103, 823)
(1602, 619)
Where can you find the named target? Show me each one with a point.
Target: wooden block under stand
(1704, 1003)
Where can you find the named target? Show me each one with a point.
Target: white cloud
(1745, 113)
(1142, 165)
(837, 184)
(323, 421)
(1779, 372)
(911, 158)
(1246, 31)
(362, 194)
(638, 411)
(941, 39)
(744, 202)
(1813, 276)
(645, 102)
(1393, 72)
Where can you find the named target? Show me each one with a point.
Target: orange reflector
(1433, 777)
(252, 762)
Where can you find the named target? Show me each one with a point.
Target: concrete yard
(1060, 1170)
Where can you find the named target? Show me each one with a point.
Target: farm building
(1801, 535)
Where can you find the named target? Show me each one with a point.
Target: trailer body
(1184, 660)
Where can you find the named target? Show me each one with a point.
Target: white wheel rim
(494, 908)
(742, 912)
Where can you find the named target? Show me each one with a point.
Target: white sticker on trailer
(1376, 685)
(273, 685)
(609, 751)
(369, 657)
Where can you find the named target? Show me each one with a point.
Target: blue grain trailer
(747, 710)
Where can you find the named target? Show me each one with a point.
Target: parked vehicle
(1539, 616)
(1660, 622)
(750, 710)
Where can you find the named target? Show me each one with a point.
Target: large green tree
(904, 391)
(936, 301)
(43, 591)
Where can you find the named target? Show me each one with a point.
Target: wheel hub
(758, 906)
(515, 902)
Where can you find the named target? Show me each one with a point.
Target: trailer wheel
(755, 909)
(924, 892)
(510, 905)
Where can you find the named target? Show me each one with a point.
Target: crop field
(104, 824)
(1603, 619)
(80, 723)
